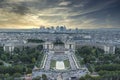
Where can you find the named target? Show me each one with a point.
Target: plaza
(60, 62)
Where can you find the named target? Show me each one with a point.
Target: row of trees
(108, 67)
(88, 77)
(35, 41)
(104, 76)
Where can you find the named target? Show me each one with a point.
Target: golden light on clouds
(13, 20)
(73, 14)
(46, 18)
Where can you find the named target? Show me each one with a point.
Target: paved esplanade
(47, 63)
(60, 53)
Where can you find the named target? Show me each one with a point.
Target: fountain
(60, 65)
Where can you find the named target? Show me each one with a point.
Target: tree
(4, 57)
(15, 58)
(33, 60)
(37, 78)
(82, 78)
(35, 41)
(1, 63)
(17, 75)
(7, 75)
(44, 77)
(117, 50)
(16, 50)
(1, 75)
(1, 50)
(39, 47)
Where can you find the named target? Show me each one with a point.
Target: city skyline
(82, 14)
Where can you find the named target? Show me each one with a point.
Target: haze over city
(83, 14)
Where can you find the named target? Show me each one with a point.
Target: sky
(82, 14)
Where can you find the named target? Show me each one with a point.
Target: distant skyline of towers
(55, 28)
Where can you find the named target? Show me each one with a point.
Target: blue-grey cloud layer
(73, 13)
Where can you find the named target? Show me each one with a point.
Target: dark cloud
(3, 3)
(20, 9)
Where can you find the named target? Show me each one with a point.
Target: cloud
(16, 1)
(20, 9)
(72, 13)
(64, 3)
